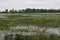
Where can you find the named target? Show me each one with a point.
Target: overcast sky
(21, 4)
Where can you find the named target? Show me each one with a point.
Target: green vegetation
(40, 21)
(37, 19)
(29, 10)
(34, 37)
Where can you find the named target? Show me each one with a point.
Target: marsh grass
(40, 20)
(34, 37)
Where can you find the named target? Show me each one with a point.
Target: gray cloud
(19, 4)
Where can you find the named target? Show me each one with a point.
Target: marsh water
(30, 30)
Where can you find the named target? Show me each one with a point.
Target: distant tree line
(28, 10)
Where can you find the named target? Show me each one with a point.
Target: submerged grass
(33, 37)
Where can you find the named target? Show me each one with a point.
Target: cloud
(19, 4)
(44, 4)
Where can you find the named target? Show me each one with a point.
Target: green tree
(6, 10)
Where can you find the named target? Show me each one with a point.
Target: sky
(22, 4)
